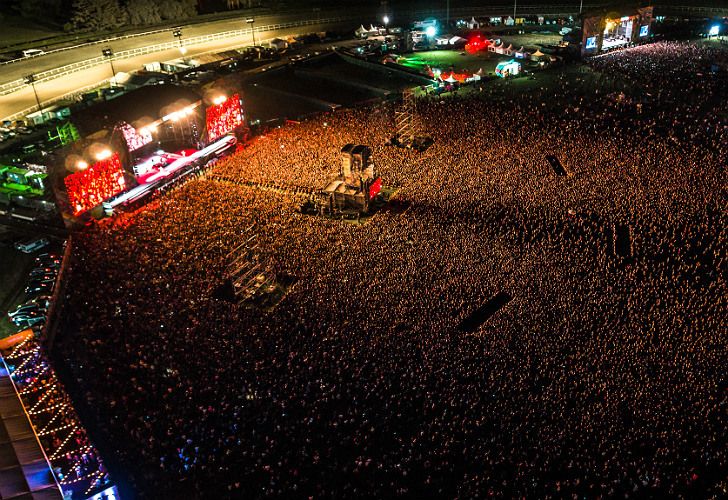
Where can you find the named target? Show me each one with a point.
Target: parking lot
(15, 276)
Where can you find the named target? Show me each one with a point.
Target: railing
(10, 87)
(51, 323)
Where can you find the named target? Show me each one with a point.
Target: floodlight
(714, 30)
(431, 31)
(102, 155)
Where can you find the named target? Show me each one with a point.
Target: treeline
(96, 15)
(99, 15)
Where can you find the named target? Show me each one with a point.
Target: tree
(96, 15)
(177, 9)
(41, 9)
(142, 12)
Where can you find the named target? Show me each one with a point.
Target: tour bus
(31, 245)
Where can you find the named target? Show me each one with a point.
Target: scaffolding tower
(404, 119)
(249, 272)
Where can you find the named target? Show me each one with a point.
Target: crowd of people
(603, 376)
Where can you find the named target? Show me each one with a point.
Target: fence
(51, 324)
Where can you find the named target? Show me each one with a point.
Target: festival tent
(473, 24)
(508, 50)
(521, 53)
(463, 77)
(538, 55)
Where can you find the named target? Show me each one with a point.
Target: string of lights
(51, 411)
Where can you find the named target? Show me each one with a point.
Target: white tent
(473, 24)
(522, 53)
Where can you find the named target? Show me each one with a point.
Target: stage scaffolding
(404, 119)
(250, 273)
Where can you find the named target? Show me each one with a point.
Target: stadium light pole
(30, 80)
(109, 54)
(581, 5)
(515, 3)
(251, 22)
(177, 33)
(447, 13)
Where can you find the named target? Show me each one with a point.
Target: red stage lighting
(223, 117)
(99, 182)
(375, 188)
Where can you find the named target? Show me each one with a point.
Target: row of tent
(499, 47)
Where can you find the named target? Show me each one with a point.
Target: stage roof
(616, 10)
(144, 102)
(24, 471)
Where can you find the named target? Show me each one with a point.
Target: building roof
(25, 473)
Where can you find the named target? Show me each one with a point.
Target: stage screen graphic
(224, 117)
(591, 42)
(98, 183)
(135, 139)
(644, 30)
(375, 188)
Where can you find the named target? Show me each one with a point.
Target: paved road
(24, 99)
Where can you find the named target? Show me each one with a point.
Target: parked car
(29, 321)
(39, 288)
(39, 278)
(26, 308)
(32, 245)
(41, 270)
(37, 293)
(48, 260)
(32, 52)
(44, 301)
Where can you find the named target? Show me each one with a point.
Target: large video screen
(224, 117)
(591, 43)
(644, 30)
(135, 139)
(98, 183)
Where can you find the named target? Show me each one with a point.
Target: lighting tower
(109, 54)
(251, 21)
(30, 80)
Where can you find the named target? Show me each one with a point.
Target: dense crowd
(604, 375)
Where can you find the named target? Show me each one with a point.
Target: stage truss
(250, 273)
(404, 119)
